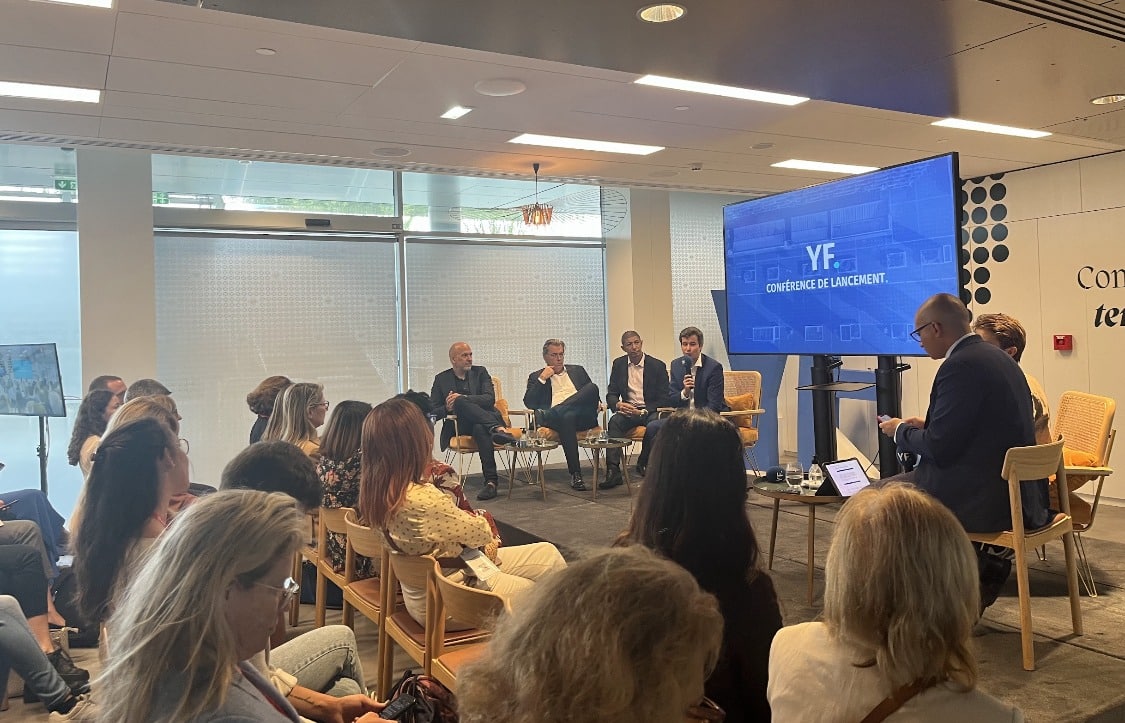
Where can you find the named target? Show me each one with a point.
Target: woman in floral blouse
(338, 471)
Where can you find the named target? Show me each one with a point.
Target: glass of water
(794, 475)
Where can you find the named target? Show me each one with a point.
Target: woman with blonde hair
(206, 600)
(261, 401)
(622, 636)
(298, 413)
(405, 494)
(900, 601)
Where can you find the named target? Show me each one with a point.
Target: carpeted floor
(1079, 678)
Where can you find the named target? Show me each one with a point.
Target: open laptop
(843, 477)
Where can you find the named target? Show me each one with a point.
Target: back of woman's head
(261, 399)
(160, 407)
(622, 635)
(395, 449)
(692, 507)
(171, 619)
(122, 492)
(901, 581)
(89, 421)
(289, 420)
(344, 430)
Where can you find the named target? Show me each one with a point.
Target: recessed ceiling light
(50, 92)
(390, 152)
(727, 91)
(500, 87)
(1108, 99)
(967, 125)
(682, 107)
(90, 3)
(663, 13)
(583, 144)
(822, 166)
(456, 112)
(266, 51)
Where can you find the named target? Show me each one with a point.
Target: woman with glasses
(204, 602)
(692, 510)
(621, 635)
(299, 411)
(138, 468)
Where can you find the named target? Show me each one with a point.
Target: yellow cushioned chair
(463, 445)
(743, 394)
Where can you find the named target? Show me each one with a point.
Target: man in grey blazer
(466, 391)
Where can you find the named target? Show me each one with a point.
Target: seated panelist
(638, 384)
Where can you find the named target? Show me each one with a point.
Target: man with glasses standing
(980, 407)
(564, 399)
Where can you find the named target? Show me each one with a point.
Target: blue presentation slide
(840, 268)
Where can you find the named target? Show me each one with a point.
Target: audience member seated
(299, 411)
(146, 388)
(900, 602)
(200, 607)
(564, 399)
(620, 636)
(137, 469)
(261, 402)
(21, 651)
(31, 507)
(407, 496)
(89, 425)
(110, 383)
(692, 510)
(338, 471)
(21, 576)
(319, 671)
(638, 385)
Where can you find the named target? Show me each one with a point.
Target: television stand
(824, 391)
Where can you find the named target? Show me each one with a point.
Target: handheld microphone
(687, 373)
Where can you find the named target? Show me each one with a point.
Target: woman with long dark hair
(89, 426)
(403, 493)
(692, 510)
(338, 471)
(137, 469)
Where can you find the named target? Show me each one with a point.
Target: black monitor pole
(41, 450)
(824, 416)
(888, 401)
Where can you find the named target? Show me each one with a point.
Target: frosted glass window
(232, 311)
(39, 296)
(227, 183)
(38, 174)
(696, 228)
(505, 301)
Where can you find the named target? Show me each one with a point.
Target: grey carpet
(1079, 678)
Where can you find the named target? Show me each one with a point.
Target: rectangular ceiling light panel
(727, 91)
(50, 92)
(967, 125)
(457, 111)
(90, 3)
(583, 144)
(822, 166)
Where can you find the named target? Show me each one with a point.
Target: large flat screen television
(30, 381)
(840, 268)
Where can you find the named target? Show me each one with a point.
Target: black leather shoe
(487, 492)
(77, 679)
(501, 436)
(612, 479)
(641, 469)
(576, 483)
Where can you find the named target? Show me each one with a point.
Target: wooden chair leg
(386, 663)
(295, 606)
(1072, 582)
(1026, 630)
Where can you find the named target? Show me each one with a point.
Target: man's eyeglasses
(916, 335)
(288, 590)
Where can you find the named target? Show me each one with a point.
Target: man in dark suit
(696, 382)
(638, 384)
(980, 407)
(565, 400)
(466, 391)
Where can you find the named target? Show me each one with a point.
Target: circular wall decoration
(981, 220)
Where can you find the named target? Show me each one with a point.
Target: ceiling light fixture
(967, 125)
(457, 111)
(266, 51)
(537, 214)
(1108, 99)
(727, 91)
(822, 166)
(662, 13)
(50, 92)
(90, 3)
(583, 144)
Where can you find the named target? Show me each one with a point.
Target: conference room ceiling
(349, 79)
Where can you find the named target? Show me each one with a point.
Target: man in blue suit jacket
(696, 381)
(638, 385)
(980, 407)
(564, 399)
